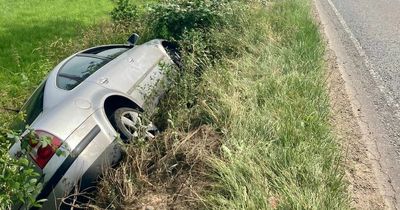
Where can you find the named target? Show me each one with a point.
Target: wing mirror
(133, 39)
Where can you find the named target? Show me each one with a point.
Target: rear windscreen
(80, 67)
(32, 108)
(77, 69)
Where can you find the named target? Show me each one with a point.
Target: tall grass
(257, 78)
(278, 151)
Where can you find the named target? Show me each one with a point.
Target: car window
(77, 69)
(32, 108)
(113, 52)
(110, 51)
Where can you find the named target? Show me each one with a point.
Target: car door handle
(103, 81)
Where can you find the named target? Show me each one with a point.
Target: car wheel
(130, 124)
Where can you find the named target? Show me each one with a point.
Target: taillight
(41, 155)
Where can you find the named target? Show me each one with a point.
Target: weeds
(166, 172)
(18, 181)
(125, 12)
(261, 88)
(171, 19)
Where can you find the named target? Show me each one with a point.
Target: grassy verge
(261, 93)
(278, 151)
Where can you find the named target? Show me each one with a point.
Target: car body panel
(78, 118)
(54, 95)
(90, 161)
(139, 71)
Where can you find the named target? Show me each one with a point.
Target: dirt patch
(169, 172)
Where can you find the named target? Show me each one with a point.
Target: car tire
(126, 122)
(130, 124)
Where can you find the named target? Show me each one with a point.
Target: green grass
(264, 94)
(27, 27)
(278, 151)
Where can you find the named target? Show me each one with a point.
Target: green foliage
(124, 12)
(171, 18)
(176, 107)
(23, 187)
(18, 179)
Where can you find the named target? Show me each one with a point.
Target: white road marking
(376, 77)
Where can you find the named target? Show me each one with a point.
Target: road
(365, 36)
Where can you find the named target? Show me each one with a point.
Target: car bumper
(96, 147)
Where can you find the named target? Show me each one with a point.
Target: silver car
(88, 101)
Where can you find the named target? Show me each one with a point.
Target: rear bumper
(96, 148)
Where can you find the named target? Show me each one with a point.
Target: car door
(135, 72)
(147, 70)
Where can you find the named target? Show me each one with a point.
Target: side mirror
(133, 39)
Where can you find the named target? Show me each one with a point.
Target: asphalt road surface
(365, 35)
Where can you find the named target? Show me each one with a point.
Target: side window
(77, 69)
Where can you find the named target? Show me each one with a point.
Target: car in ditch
(86, 103)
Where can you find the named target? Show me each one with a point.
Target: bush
(203, 42)
(170, 19)
(18, 180)
(125, 12)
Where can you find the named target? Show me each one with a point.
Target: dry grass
(169, 172)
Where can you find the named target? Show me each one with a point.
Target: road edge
(360, 173)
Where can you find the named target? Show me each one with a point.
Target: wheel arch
(113, 102)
